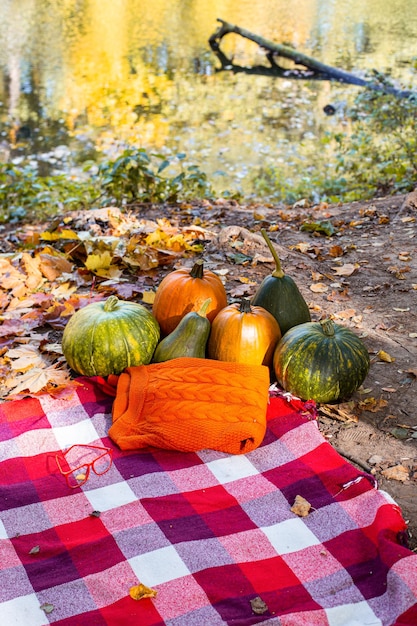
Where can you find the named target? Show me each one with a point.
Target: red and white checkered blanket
(210, 532)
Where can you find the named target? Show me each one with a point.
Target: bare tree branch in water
(310, 69)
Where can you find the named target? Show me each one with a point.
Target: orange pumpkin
(185, 290)
(244, 334)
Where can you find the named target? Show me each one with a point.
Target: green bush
(376, 157)
(133, 177)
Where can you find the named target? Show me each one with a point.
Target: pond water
(96, 75)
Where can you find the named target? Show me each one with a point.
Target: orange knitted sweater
(189, 404)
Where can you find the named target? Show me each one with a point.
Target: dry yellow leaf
(301, 506)
(148, 296)
(66, 233)
(384, 356)
(138, 592)
(98, 261)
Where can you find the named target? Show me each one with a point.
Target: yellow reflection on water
(142, 72)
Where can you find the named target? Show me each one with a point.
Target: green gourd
(188, 339)
(105, 337)
(279, 294)
(321, 361)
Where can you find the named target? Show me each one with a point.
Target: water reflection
(95, 74)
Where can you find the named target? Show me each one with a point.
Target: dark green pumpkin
(321, 361)
(188, 339)
(279, 294)
(106, 337)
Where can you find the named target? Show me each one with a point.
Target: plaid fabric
(209, 531)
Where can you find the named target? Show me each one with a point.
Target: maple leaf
(26, 358)
(101, 261)
(36, 379)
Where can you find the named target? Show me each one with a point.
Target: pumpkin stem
(327, 327)
(111, 304)
(278, 272)
(245, 306)
(197, 269)
(204, 307)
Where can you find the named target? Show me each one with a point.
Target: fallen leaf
(323, 227)
(400, 433)
(47, 608)
(342, 412)
(301, 247)
(96, 262)
(26, 358)
(301, 506)
(139, 592)
(55, 235)
(398, 472)
(336, 251)
(34, 275)
(316, 276)
(384, 356)
(36, 379)
(245, 280)
(372, 405)
(346, 314)
(35, 550)
(148, 296)
(346, 270)
(53, 266)
(258, 606)
(319, 287)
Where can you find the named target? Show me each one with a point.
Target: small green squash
(188, 339)
(321, 361)
(279, 294)
(106, 337)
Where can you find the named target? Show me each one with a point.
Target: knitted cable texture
(190, 404)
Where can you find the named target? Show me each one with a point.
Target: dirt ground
(365, 277)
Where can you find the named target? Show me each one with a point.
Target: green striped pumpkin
(106, 337)
(321, 361)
